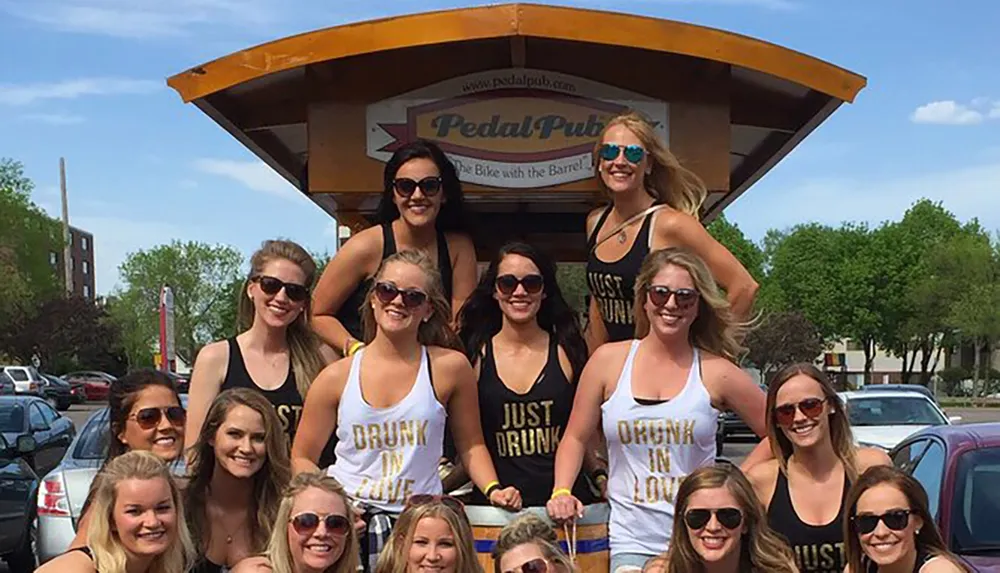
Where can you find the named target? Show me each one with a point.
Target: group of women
(400, 362)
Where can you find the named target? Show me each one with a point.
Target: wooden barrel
(592, 550)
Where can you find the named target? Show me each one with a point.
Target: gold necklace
(622, 236)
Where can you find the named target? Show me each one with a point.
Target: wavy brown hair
(393, 558)
(762, 550)
(716, 328)
(436, 331)
(669, 182)
(303, 344)
(529, 528)
(840, 425)
(268, 482)
(928, 540)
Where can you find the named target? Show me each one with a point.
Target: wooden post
(67, 252)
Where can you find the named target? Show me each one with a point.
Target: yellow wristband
(354, 347)
(486, 490)
(561, 491)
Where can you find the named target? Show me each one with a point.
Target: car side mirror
(26, 444)
(954, 419)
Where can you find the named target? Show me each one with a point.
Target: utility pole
(67, 253)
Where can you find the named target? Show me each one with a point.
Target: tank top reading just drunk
(384, 455)
(818, 548)
(651, 449)
(286, 399)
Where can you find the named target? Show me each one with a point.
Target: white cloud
(995, 112)
(72, 89)
(254, 174)
(54, 118)
(947, 112)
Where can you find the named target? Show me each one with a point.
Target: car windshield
(893, 411)
(11, 418)
(976, 503)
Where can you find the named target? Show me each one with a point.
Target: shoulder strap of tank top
(592, 239)
(388, 241)
(781, 499)
(644, 213)
(237, 367)
(444, 263)
(85, 550)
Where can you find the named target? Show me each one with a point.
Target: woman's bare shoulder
(256, 564)
(69, 562)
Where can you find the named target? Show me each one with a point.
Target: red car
(95, 384)
(959, 466)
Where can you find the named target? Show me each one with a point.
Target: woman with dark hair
(889, 528)
(421, 209)
(525, 344)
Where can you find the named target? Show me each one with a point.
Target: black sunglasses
(387, 292)
(895, 520)
(272, 286)
(684, 297)
(307, 522)
(405, 186)
(729, 517)
(534, 566)
(532, 284)
(784, 414)
(611, 151)
(148, 418)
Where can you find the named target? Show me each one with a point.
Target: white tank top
(384, 455)
(650, 451)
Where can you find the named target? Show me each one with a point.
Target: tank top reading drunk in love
(652, 447)
(385, 455)
(818, 548)
(612, 284)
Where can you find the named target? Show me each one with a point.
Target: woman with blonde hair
(238, 470)
(433, 533)
(136, 525)
(389, 403)
(804, 488)
(658, 399)
(888, 527)
(655, 203)
(725, 530)
(314, 531)
(530, 545)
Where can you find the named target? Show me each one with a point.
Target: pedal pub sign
(510, 128)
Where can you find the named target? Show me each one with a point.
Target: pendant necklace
(622, 236)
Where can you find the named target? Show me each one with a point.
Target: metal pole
(67, 253)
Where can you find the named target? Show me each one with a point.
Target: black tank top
(286, 399)
(350, 315)
(818, 548)
(612, 284)
(522, 431)
(922, 559)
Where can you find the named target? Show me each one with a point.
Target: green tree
(745, 250)
(780, 339)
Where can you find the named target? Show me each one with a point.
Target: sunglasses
(611, 151)
(426, 498)
(729, 517)
(683, 297)
(387, 292)
(149, 418)
(895, 520)
(534, 566)
(406, 186)
(811, 407)
(532, 284)
(305, 523)
(272, 286)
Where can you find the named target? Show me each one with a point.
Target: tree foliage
(782, 338)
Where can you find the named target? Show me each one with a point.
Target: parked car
(183, 382)
(919, 388)
(6, 384)
(959, 467)
(57, 392)
(33, 416)
(95, 384)
(26, 379)
(17, 503)
(63, 491)
(886, 417)
(730, 426)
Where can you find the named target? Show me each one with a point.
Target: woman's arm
(679, 229)
(732, 389)
(596, 334)
(71, 562)
(206, 379)
(319, 417)
(464, 274)
(342, 275)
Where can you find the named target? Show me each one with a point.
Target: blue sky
(85, 79)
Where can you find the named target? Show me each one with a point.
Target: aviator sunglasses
(387, 292)
(534, 566)
(684, 297)
(895, 520)
(272, 286)
(610, 152)
(306, 522)
(149, 418)
(729, 517)
(532, 284)
(811, 407)
(405, 186)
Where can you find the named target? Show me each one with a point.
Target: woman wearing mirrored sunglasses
(529, 545)
(389, 402)
(313, 531)
(657, 400)
(421, 208)
(276, 352)
(524, 342)
(724, 531)
(432, 534)
(889, 527)
(654, 204)
(237, 472)
(805, 486)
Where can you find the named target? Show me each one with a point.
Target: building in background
(81, 250)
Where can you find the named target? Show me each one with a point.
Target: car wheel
(24, 558)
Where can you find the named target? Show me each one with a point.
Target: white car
(885, 418)
(26, 379)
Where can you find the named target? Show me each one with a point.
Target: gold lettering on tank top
(289, 416)
(527, 430)
(615, 306)
(657, 485)
(821, 557)
(390, 439)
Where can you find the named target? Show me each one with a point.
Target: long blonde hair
(278, 551)
(303, 344)
(669, 182)
(393, 558)
(716, 328)
(762, 549)
(529, 528)
(840, 426)
(437, 331)
(109, 554)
